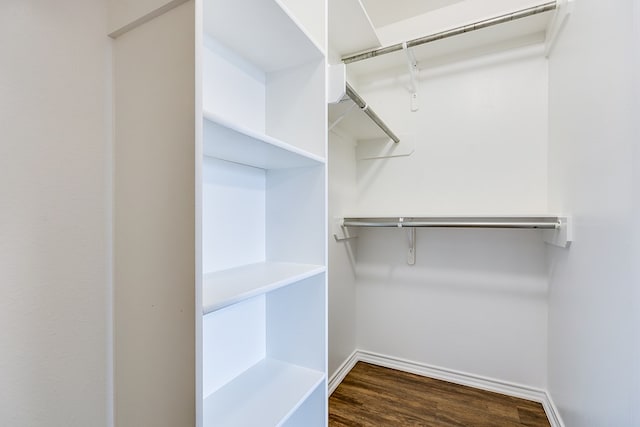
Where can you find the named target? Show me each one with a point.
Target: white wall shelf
(274, 41)
(557, 229)
(516, 33)
(265, 395)
(233, 142)
(226, 287)
(350, 28)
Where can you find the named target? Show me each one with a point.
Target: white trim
(453, 376)
(552, 412)
(342, 371)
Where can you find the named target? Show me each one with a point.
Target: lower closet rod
(348, 222)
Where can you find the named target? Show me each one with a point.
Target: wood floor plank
(372, 396)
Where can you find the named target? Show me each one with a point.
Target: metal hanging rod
(369, 112)
(535, 10)
(452, 222)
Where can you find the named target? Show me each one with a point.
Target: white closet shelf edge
(227, 287)
(240, 144)
(270, 392)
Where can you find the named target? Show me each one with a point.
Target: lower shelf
(267, 394)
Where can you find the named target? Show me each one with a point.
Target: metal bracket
(411, 256)
(342, 233)
(562, 236)
(413, 71)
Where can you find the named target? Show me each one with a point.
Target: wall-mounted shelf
(537, 24)
(265, 395)
(226, 287)
(557, 229)
(540, 222)
(350, 28)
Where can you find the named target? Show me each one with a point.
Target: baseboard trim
(342, 371)
(456, 377)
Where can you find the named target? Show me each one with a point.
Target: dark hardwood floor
(375, 396)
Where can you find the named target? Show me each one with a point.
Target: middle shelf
(226, 140)
(226, 287)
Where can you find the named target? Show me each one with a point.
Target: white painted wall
(475, 301)
(55, 121)
(594, 328)
(154, 222)
(125, 14)
(480, 139)
(342, 255)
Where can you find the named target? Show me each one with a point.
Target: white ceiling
(385, 12)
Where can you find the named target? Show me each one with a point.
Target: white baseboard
(342, 371)
(456, 377)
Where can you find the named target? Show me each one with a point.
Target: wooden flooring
(375, 396)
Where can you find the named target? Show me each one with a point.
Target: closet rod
(535, 10)
(551, 223)
(369, 112)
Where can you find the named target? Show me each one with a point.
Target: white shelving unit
(263, 214)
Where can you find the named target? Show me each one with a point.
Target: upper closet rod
(369, 112)
(546, 7)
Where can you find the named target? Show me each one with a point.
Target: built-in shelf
(226, 287)
(265, 395)
(233, 142)
(274, 43)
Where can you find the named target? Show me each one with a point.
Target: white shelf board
(230, 141)
(227, 287)
(350, 28)
(260, 31)
(267, 394)
(521, 32)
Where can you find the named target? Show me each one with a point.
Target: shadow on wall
(509, 262)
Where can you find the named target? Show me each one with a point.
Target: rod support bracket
(341, 233)
(411, 255)
(412, 64)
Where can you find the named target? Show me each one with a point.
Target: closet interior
(439, 210)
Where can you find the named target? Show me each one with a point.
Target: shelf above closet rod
(546, 222)
(369, 112)
(523, 13)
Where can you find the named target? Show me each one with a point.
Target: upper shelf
(268, 37)
(350, 28)
(530, 25)
(232, 142)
